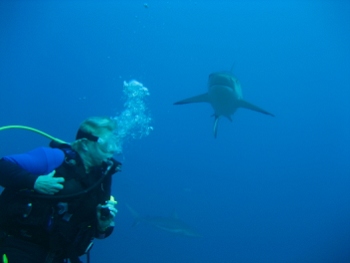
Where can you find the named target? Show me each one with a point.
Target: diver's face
(105, 148)
(108, 144)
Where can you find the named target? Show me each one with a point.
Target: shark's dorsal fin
(199, 98)
(132, 211)
(247, 105)
(135, 215)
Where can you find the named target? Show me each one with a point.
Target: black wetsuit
(36, 228)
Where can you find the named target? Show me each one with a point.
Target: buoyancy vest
(67, 219)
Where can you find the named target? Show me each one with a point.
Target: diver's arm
(25, 170)
(105, 221)
(105, 226)
(15, 177)
(41, 160)
(105, 218)
(48, 184)
(103, 234)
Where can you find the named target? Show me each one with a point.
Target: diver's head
(96, 140)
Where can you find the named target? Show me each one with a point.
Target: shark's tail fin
(215, 129)
(134, 214)
(247, 105)
(216, 122)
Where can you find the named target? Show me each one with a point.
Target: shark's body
(225, 96)
(170, 224)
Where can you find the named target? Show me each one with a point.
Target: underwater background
(266, 189)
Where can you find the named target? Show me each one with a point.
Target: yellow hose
(33, 130)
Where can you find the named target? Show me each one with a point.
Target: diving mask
(107, 143)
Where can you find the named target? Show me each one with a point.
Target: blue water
(267, 189)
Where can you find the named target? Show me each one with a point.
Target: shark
(225, 96)
(171, 224)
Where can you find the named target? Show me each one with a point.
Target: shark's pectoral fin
(200, 98)
(247, 105)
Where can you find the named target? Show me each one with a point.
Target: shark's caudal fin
(199, 98)
(216, 122)
(215, 129)
(247, 105)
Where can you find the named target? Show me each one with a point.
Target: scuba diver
(57, 199)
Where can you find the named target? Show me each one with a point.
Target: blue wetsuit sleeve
(39, 161)
(21, 170)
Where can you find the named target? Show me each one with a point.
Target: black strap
(82, 134)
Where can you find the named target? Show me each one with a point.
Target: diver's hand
(47, 184)
(106, 214)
